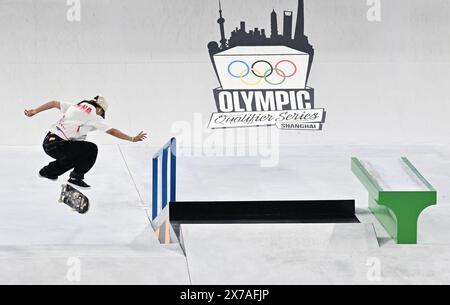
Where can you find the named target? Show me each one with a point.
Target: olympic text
(263, 100)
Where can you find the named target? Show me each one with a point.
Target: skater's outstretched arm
(45, 107)
(118, 134)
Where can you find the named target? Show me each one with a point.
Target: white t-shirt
(78, 121)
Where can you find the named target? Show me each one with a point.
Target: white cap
(102, 102)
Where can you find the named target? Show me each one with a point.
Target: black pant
(77, 155)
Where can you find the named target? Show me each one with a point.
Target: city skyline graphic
(296, 40)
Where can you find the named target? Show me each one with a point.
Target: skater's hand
(140, 137)
(30, 113)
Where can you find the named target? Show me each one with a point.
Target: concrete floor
(39, 238)
(114, 242)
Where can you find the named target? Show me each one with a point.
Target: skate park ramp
(39, 239)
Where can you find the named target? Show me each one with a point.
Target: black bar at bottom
(259, 211)
(246, 294)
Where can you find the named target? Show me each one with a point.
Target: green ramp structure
(398, 194)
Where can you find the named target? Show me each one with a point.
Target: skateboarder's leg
(59, 167)
(79, 155)
(59, 150)
(85, 160)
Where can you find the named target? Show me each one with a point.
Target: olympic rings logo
(260, 73)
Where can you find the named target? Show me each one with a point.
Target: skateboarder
(66, 143)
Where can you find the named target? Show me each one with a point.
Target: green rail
(398, 211)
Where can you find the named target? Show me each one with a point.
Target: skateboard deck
(74, 199)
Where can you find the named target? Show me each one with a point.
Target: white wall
(380, 82)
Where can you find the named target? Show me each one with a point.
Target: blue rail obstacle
(167, 152)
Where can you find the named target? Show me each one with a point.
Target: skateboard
(74, 199)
